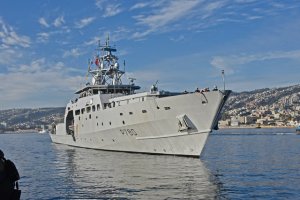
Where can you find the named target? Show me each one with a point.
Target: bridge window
(167, 108)
(93, 108)
(98, 106)
(82, 110)
(77, 112)
(88, 109)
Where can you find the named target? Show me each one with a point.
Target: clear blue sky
(45, 45)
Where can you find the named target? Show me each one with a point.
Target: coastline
(254, 127)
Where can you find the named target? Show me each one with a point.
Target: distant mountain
(282, 104)
(264, 97)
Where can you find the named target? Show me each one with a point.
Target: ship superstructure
(110, 115)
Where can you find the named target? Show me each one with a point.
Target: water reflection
(98, 174)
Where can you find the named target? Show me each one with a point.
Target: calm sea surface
(236, 164)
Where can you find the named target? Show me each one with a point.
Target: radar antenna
(154, 88)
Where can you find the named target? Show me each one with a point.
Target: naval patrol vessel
(110, 115)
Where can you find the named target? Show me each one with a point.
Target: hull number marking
(130, 132)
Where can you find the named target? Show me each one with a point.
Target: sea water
(235, 164)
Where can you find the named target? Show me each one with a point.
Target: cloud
(93, 41)
(40, 81)
(177, 39)
(199, 15)
(109, 7)
(139, 5)
(7, 56)
(73, 52)
(112, 10)
(100, 3)
(43, 22)
(211, 7)
(59, 21)
(163, 16)
(231, 62)
(43, 37)
(84, 22)
(10, 38)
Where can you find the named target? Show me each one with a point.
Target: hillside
(30, 118)
(275, 106)
(264, 97)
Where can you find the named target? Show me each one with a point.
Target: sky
(183, 44)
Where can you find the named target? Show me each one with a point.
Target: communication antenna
(223, 76)
(131, 80)
(124, 65)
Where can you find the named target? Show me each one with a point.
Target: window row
(93, 108)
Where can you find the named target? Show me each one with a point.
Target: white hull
(176, 145)
(152, 127)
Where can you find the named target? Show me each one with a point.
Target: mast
(105, 70)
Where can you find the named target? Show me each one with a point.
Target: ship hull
(156, 130)
(193, 144)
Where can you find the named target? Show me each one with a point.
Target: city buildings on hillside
(284, 112)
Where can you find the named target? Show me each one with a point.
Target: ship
(108, 114)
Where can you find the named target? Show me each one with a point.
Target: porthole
(123, 122)
(144, 111)
(121, 114)
(130, 113)
(97, 124)
(167, 108)
(102, 123)
(109, 123)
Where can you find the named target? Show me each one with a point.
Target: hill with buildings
(268, 107)
(22, 119)
(263, 107)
